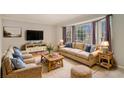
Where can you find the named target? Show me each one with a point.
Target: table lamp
(104, 46)
(61, 42)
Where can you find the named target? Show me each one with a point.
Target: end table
(109, 59)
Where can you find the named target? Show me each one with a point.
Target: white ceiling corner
(46, 19)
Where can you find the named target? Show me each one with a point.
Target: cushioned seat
(26, 56)
(83, 54)
(30, 60)
(76, 52)
(81, 71)
(70, 50)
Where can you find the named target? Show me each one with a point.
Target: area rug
(64, 72)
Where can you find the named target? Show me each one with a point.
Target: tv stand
(35, 47)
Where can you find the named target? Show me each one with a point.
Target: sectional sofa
(32, 70)
(77, 52)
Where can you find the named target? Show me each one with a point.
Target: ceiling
(47, 19)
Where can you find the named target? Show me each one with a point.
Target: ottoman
(81, 71)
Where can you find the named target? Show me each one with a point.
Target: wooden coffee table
(54, 61)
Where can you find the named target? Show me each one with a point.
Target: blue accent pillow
(18, 63)
(17, 51)
(17, 56)
(15, 47)
(68, 45)
(88, 47)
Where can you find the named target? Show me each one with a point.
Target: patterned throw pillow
(17, 56)
(18, 63)
(17, 53)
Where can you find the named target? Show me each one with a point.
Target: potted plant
(50, 48)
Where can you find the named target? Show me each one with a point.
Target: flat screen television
(34, 35)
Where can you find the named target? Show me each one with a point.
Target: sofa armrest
(33, 71)
(93, 56)
(95, 53)
(62, 46)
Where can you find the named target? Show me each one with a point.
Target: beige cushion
(29, 60)
(30, 65)
(73, 44)
(65, 49)
(79, 45)
(76, 52)
(70, 50)
(25, 56)
(83, 54)
(81, 71)
(24, 52)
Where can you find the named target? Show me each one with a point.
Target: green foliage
(50, 47)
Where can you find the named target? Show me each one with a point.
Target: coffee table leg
(49, 66)
(41, 59)
(62, 62)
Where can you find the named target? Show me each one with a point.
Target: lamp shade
(105, 44)
(61, 41)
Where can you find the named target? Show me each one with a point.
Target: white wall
(59, 33)
(49, 33)
(117, 34)
(118, 38)
(0, 44)
(0, 37)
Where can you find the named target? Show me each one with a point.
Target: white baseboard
(122, 67)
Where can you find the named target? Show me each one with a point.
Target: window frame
(84, 33)
(68, 30)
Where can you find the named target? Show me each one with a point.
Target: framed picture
(9, 31)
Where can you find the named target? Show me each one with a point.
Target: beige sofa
(32, 70)
(77, 53)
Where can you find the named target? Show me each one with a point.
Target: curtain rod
(103, 18)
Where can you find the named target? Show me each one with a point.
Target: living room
(59, 61)
(52, 27)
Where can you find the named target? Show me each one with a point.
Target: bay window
(90, 33)
(84, 33)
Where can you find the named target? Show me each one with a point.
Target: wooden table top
(53, 57)
(108, 53)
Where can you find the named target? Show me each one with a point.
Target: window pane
(68, 34)
(101, 33)
(83, 33)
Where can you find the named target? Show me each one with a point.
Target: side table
(106, 59)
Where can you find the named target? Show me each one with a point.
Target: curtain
(94, 36)
(108, 31)
(64, 34)
(73, 34)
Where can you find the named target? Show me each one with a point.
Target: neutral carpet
(64, 72)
